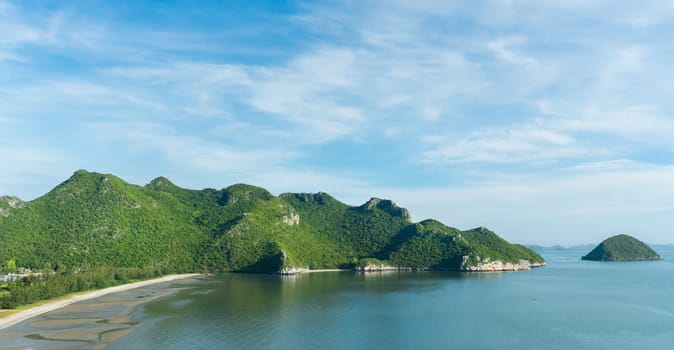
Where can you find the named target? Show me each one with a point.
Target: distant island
(622, 248)
(98, 220)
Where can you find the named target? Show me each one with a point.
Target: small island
(622, 248)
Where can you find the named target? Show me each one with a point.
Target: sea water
(570, 304)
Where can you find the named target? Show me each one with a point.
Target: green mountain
(622, 248)
(94, 220)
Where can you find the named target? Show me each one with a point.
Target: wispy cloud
(195, 152)
(29, 163)
(13, 33)
(221, 164)
(506, 49)
(582, 206)
(610, 165)
(637, 123)
(593, 134)
(521, 143)
(505, 98)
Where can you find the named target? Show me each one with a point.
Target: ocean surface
(570, 304)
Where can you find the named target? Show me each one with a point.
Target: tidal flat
(88, 324)
(569, 304)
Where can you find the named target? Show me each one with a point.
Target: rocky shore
(487, 265)
(483, 265)
(380, 267)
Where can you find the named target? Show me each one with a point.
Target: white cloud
(197, 153)
(569, 208)
(76, 98)
(519, 143)
(505, 49)
(322, 94)
(182, 72)
(16, 33)
(609, 165)
(308, 91)
(640, 123)
(589, 133)
(29, 167)
(10, 56)
(272, 168)
(462, 86)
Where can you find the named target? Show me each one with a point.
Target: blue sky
(548, 122)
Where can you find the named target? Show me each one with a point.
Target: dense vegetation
(622, 248)
(97, 220)
(28, 290)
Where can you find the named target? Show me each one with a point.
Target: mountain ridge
(94, 219)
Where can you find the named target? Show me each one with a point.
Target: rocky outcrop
(288, 267)
(7, 203)
(239, 193)
(319, 198)
(12, 202)
(388, 206)
(291, 219)
(486, 265)
(160, 183)
(380, 267)
(292, 270)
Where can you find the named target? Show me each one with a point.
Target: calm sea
(570, 304)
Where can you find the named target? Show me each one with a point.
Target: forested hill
(622, 248)
(94, 220)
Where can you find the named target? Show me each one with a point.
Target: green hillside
(622, 248)
(98, 220)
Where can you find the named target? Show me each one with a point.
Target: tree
(10, 266)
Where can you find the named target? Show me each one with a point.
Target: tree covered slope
(94, 220)
(622, 248)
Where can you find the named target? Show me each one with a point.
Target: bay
(568, 304)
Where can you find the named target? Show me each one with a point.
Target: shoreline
(501, 267)
(326, 270)
(14, 318)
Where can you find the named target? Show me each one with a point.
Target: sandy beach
(13, 319)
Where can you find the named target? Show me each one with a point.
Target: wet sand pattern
(68, 323)
(90, 324)
(114, 334)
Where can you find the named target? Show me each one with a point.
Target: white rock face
(293, 219)
(380, 267)
(12, 203)
(487, 265)
(292, 270)
(375, 267)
